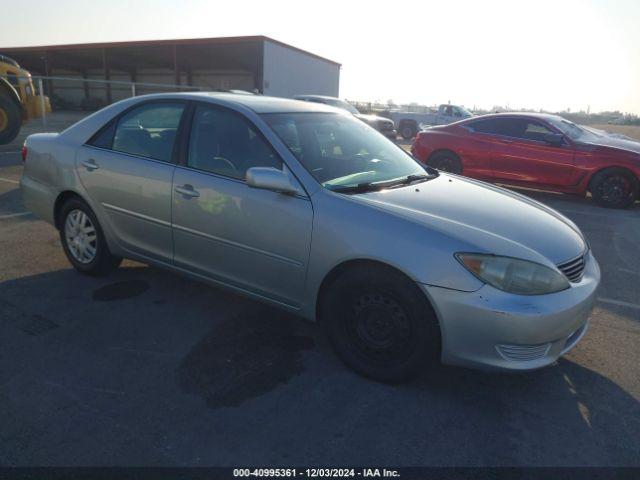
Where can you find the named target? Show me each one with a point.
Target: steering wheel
(228, 162)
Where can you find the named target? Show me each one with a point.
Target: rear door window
(149, 130)
(505, 126)
(484, 126)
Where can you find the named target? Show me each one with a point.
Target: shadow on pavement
(225, 380)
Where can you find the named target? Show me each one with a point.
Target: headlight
(513, 275)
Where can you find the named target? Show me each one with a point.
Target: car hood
(613, 140)
(373, 119)
(484, 218)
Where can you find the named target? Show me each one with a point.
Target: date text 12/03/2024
(316, 472)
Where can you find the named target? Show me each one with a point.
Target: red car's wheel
(446, 162)
(614, 188)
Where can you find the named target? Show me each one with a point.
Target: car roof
(541, 116)
(316, 97)
(257, 103)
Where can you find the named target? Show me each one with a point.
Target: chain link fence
(54, 103)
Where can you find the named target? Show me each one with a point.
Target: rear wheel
(446, 162)
(614, 188)
(381, 324)
(83, 240)
(10, 119)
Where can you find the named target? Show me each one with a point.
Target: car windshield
(465, 113)
(343, 153)
(570, 129)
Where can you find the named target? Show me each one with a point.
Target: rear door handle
(187, 190)
(91, 165)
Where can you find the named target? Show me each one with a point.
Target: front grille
(573, 269)
(523, 353)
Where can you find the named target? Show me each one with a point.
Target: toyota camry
(305, 207)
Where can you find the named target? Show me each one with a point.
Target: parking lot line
(14, 215)
(8, 180)
(10, 153)
(628, 270)
(619, 303)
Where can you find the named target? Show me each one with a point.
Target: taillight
(24, 153)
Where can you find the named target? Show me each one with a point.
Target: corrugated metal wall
(288, 72)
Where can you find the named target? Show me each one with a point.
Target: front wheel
(83, 240)
(614, 188)
(381, 324)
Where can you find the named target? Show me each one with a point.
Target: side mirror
(269, 178)
(555, 139)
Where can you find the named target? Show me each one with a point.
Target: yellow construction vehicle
(18, 99)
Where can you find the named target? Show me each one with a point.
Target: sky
(542, 54)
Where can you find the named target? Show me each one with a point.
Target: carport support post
(85, 85)
(48, 72)
(134, 77)
(42, 104)
(107, 74)
(176, 70)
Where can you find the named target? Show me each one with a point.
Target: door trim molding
(242, 246)
(141, 216)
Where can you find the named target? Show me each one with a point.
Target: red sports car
(536, 150)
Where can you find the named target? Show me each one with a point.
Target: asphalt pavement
(146, 367)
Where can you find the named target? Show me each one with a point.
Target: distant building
(254, 63)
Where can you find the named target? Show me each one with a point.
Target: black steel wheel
(380, 328)
(381, 324)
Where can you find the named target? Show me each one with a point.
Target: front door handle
(91, 165)
(187, 190)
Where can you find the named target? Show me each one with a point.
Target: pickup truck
(409, 123)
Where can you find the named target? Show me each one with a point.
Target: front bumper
(493, 329)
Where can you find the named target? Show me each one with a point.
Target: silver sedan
(302, 206)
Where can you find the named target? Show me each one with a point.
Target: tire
(10, 119)
(614, 188)
(381, 324)
(408, 131)
(74, 213)
(446, 162)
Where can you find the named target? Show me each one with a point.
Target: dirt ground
(632, 131)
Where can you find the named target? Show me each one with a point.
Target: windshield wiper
(375, 186)
(359, 188)
(415, 178)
